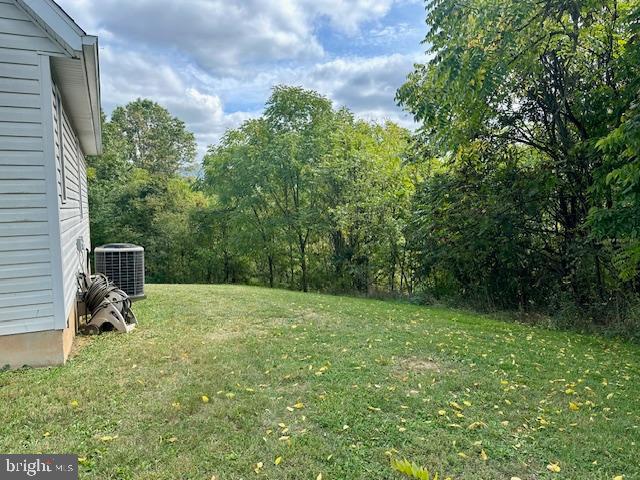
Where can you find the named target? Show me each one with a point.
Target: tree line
(530, 112)
(304, 197)
(520, 190)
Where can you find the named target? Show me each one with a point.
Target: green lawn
(332, 386)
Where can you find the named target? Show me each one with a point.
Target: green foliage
(136, 194)
(479, 227)
(530, 109)
(521, 190)
(617, 222)
(615, 217)
(316, 199)
(304, 197)
(412, 470)
(151, 139)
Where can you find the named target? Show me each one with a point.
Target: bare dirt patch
(79, 342)
(416, 365)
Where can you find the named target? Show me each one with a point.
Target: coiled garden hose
(98, 289)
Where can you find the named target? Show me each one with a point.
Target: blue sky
(212, 63)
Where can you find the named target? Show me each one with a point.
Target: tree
(366, 190)
(300, 122)
(615, 217)
(135, 192)
(554, 77)
(154, 140)
(107, 174)
(480, 229)
(313, 196)
(235, 171)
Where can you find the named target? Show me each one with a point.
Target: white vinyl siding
(19, 33)
(26, 272)
(74, 221)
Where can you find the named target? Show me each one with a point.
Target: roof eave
(59, 26)
(92, 72)
(79, 46)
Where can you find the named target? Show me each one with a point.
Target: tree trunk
(227, 272)
(271, 282)
(291, 267)
(303, 263)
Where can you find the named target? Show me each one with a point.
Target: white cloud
(362, 82)
(366, 85)
(222, 34)
(212, 63)
(129, 75)
(347, 15)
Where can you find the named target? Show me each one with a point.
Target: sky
(212, 63)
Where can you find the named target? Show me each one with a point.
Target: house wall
(26, 269)
(71, 175)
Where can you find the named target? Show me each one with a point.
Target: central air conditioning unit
(123, 264)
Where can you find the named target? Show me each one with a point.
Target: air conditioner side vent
(123, 264)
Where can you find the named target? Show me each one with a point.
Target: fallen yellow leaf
(476, 425)
(204, 399)
(553, 467)
(278, 460)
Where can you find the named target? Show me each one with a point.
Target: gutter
(91, 66)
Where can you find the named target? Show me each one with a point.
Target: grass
(333, 386)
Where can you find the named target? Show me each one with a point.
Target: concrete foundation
(38, 349)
